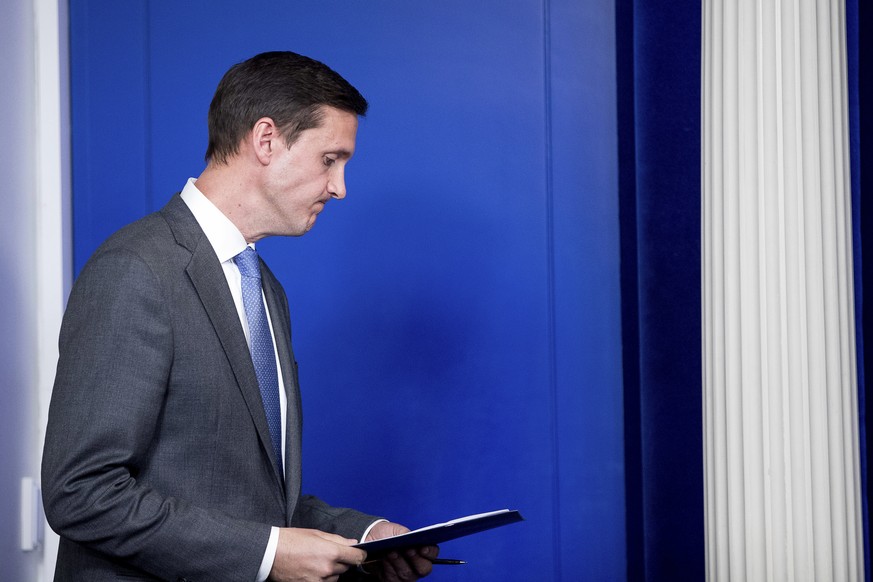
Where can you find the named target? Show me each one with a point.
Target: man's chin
(296, 229)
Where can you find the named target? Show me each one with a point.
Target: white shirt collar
(222, 234)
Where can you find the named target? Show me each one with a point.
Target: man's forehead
(337, 131)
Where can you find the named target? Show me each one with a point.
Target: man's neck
(231, 190)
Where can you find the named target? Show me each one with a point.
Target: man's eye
(329, 161)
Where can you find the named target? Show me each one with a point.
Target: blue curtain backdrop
(858, 55)
(658, 54)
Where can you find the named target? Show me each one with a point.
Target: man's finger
(351, 556)
(334, 538)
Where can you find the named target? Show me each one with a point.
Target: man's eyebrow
(342, 153)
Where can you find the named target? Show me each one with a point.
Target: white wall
(18, 381)
(34, 254)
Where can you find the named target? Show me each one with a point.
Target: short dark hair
(290, 89)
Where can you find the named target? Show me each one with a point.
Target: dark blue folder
(433, 535)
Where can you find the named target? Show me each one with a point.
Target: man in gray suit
(173, 443)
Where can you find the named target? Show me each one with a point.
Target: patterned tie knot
(247, 262)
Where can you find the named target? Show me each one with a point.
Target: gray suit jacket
(157, 457)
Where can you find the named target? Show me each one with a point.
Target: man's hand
(404, 565)
(310, 555)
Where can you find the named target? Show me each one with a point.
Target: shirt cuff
(367, 531)
(270, 555)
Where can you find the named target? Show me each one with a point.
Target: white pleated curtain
(781, 442)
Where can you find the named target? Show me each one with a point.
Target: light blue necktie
(263, 354)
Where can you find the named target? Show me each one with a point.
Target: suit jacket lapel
(280, 320)
(208, 278)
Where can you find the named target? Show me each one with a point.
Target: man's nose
(337, 186)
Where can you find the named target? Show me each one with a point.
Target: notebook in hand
(433, 535)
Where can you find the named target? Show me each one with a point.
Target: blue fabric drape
(862, 221)
(658, 55)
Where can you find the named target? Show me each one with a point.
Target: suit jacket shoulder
(152, 459)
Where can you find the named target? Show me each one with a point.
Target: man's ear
(264, 139)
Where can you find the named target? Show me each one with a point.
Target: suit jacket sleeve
(312, 512)
(116, 350)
